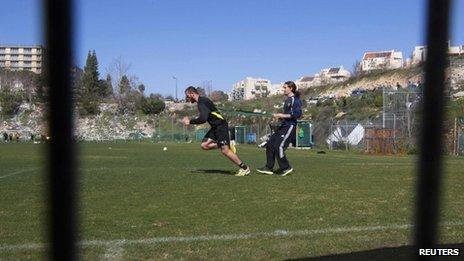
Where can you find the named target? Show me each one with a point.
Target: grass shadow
(213, 171)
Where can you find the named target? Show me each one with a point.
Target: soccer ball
(165, 148)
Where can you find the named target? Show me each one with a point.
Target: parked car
(358, 92)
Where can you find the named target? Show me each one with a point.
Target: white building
(15, 57)
(419, 54)
(456, 50)
(250, 88)
(325, 76)
(305, 82)
(276, 89)
(334, 74)
(381, 60)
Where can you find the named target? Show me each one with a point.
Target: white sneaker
(265, 170)
(243, 172)
(284, 172)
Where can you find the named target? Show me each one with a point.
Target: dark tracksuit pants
(277, 144)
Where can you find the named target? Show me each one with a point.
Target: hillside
(321, 104)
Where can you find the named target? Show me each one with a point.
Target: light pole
(175, 78)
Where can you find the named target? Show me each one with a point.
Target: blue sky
(225, 41)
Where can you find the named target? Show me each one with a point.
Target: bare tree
(117, 68)
(134, 82)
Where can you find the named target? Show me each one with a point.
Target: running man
(218, 135)
(285, 133)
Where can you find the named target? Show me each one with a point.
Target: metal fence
(62, 166)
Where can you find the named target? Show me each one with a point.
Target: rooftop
(372, 55)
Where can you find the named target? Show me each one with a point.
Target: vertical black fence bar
(427, 212)
(62, 171)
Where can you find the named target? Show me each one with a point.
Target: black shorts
(219, 134)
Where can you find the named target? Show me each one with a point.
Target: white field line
(17, 172)
(119, 243)
(33, 169)
(115, 252)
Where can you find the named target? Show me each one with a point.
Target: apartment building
(14, 57)
(419, 54)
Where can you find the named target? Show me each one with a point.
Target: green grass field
(140, 202)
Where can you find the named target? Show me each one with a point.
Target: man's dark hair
(191, 89)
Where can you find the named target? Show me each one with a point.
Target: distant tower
(207, 86)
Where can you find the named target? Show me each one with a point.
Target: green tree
(127, 100)
(105, 87)
(152, 106)
(124, 86)
(109, 83)
(9, 101)
(89, 92)
(156, 96)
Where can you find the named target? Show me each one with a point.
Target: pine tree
(109, 85)
(89, 95)
(90, 77)
(124, 86)
(126, 99)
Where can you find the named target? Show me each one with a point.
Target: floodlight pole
(175, 78)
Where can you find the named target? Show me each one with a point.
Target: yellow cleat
(232, 147)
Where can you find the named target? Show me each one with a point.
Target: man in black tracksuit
(286, 133)
(218, 135)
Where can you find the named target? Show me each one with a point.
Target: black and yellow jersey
(208, 113)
